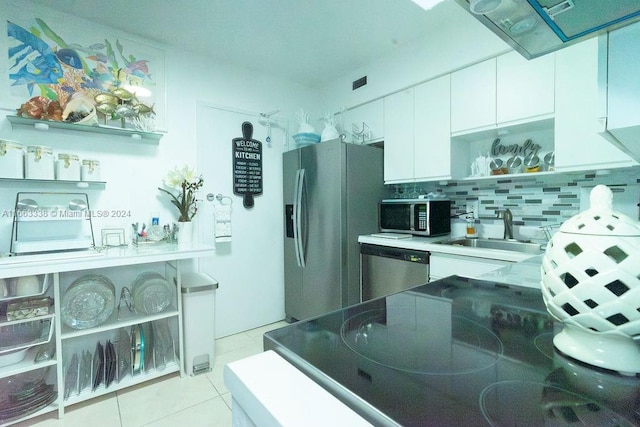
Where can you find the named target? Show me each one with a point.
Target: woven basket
(591, 282)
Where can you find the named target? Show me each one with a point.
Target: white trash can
(198, 302)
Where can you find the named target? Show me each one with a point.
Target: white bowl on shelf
(13, 357)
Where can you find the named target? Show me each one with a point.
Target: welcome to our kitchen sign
(247, 166)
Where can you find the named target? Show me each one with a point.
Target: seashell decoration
(122, 104)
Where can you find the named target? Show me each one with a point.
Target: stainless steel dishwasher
(385, 270)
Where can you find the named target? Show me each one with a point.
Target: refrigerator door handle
(297, 208)
(298, 219)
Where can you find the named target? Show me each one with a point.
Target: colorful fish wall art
(55, 69)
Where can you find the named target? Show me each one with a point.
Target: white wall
(461, 41)
(133, 171)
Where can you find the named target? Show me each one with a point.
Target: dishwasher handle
(402, 254)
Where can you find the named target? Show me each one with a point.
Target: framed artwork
(59, 60)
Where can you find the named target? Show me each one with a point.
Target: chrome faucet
(507, 217)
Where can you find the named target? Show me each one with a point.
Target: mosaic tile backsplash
(536, 200)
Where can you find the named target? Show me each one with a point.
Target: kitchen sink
(502, 244)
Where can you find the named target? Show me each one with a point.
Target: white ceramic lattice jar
(591, 282)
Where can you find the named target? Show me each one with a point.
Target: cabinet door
(624, 90)
(370, 116)
(398, 141)
(578, 145)
(432, 129)
(525, 89)
(473, 96)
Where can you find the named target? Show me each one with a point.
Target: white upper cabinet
(399, 136)
(365, 123)
(578, 145)
(432, 130)
(417, 143)
(525, 89)
(502, 91)
(473, 97)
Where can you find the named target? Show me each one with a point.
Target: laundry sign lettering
(247, 166)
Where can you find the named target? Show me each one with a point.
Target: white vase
(185, 232)
(590, 274)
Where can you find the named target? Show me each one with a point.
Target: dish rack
(50, 222)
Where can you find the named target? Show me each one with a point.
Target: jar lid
(90, 162)
(10, 144)
(514, 162)
(63, 156)
(531, 160)
(41, 148)
(600, 219)
(495, 164)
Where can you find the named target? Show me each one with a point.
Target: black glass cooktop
(455, 352)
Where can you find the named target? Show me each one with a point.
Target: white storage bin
(11, 159)
(90, 170)
(68, 167)
(198, 302)
(39, 162)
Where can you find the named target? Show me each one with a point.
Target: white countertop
(429, 244)
(22, 265)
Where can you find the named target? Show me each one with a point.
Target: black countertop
(457, 352)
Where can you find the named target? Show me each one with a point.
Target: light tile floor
(202, 400)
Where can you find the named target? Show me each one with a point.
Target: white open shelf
(126, 319)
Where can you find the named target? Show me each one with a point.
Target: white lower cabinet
(444, 265)
(133, 345)
(108, 323)
(28, 359)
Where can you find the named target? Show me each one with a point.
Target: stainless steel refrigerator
(331, 195)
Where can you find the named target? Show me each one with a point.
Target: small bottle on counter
(472, 231)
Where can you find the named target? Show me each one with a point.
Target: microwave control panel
(422, 217)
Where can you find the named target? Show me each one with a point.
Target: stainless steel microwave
(422, 217)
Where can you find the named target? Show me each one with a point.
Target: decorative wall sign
(56, 60)
(528, 147)
(247, 165)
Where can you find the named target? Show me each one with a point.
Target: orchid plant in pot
(182, 184)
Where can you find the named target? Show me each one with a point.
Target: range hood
(537, 27)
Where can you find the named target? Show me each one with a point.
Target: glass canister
(549, 161)
(498, 167)
(531, 163)
(11, 159)
(90, 170)
(39, 162)
(514, 165)
(68, 167)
